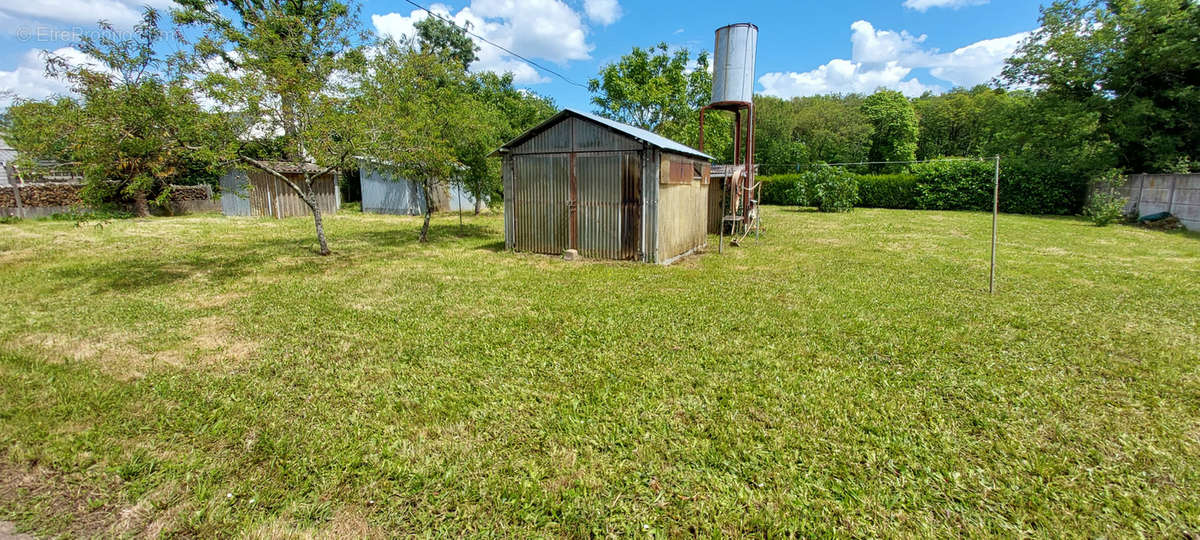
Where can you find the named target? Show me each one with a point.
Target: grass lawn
(848, 374)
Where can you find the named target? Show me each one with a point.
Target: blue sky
(804, 48)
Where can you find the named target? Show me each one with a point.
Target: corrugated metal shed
(605, 189)
(254, 192)
(558, 138)
(382, 193)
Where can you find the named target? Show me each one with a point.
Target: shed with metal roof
(605, 189)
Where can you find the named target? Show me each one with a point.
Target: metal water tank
(733, 63)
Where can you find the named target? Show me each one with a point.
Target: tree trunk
(310, 199)
(428, 213)
(140, 206)
(478, 204)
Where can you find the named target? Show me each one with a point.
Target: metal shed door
(609, 191)
(540, 203)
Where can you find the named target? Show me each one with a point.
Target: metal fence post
(995, 212)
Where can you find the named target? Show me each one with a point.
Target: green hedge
(887, 191)
(778, 189)
(954, 185)
(951, 185)
(1026, 190)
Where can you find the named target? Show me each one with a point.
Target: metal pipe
(995, 212)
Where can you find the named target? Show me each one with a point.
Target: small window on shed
(682, 171)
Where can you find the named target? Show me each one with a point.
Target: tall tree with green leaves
(133, 127)
(419, 116)
(660, 91)
(1136, 62)
(438, 37)
(515, 111)
(895, 128)
(283, 67)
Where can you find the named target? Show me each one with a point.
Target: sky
(804, 48)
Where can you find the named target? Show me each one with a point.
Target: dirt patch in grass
(213, 344)
(71, 505)
(113, 355)
(346, 523)
(61, 504)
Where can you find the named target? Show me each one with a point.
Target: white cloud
(884, 58)
(877, 47)
(29, 80)
(922, 5)
(539, 29)
(604, 12)
(120, 13)
(978, 62)
(843, 76)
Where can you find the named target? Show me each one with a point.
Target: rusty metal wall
(539, 203)
(650, 162)
(574, 134)
(590, 137)
(556, 138)
(506, 168)
(609, 211)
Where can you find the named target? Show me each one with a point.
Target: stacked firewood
(47, 194)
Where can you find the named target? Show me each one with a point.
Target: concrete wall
(1178, 194)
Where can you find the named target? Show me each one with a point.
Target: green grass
(848, 374)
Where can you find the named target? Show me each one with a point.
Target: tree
(133, 128)
(656, 90)
(508, 112)
(1136, 62)
(446, 40)
(895, 128)
(515, 112)
(281, 66)
(646, 88)
(419, 117)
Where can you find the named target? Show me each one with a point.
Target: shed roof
(640, 134)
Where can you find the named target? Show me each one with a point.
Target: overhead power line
(498, 46)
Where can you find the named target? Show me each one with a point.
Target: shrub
(1106, 204)
(829, 189)
(778, 189)
(836, 190)
(887, 191)
(954, 185)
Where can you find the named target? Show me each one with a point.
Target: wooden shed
(603, 188)
(254, 192)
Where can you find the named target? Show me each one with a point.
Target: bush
(778, 189)
(1106, 204)
(887, 191)
(954, 185)
(836, 190)
(829, 189)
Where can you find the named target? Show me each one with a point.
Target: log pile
(189, 193)
(48, 194)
